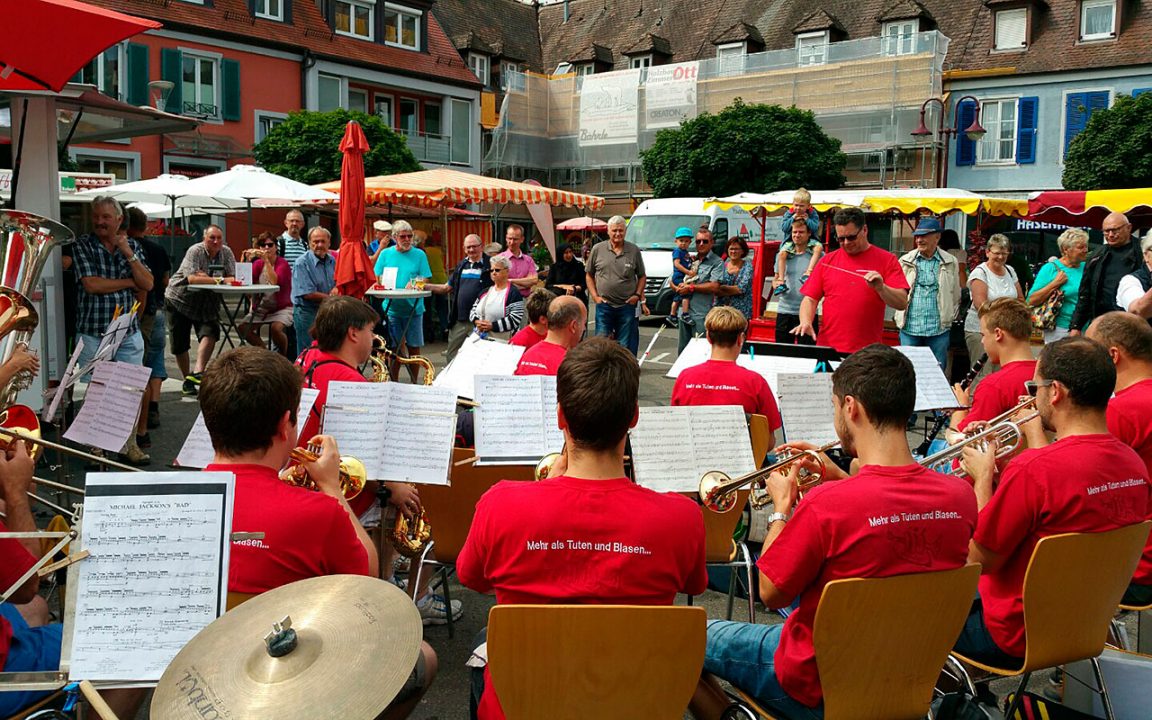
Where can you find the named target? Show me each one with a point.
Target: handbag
(1044, 315)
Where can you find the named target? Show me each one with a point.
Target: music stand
(822, 354)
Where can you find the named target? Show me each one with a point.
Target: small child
(683, 271)
(801, 208)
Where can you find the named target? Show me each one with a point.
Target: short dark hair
(244, 394)
(137, 221)
(1128, 332)
(850, 216)
(596, 388)
(337, 315)
(881, 379)
(517, 227)
(739, 240)
(537, 304)
(1009, 314)
(1083, 367)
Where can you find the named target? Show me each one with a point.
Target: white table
(241, 293)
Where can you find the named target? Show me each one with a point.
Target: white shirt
(1129, 291)
(999, 286)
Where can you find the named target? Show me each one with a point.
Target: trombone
(718, 490)
(1009, 435)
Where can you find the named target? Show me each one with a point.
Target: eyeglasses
(267, 244)
(408, 235)
(848, 238)
(497, 270)
(1033, 386)
(1114, 230)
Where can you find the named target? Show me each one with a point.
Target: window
(265, 121)
(355, 18)
(900, 37)
(384, 109)
(730, 58)
(512, 77)
(586, 69)
(432, 122)
(1097, 19)
(479, 65)
(1011, 29)
(409, 125)
(811, 48)
(999, 118)
(401, 26)
(105, 71)
(640, 61)
(200, 86)
(358, 100)
(269, 9)
(461, 132)
(123, 169)
(330, 93)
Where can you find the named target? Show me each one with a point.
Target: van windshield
(658, 232)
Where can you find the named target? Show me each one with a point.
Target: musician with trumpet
(893, 517)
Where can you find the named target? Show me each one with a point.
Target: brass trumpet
(718, 490)
(1008, 433)
(544, 466)
(353, 474)
(410, 536)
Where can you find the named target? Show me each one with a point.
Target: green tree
(306, 147)
(1112, 151)
(744, 148)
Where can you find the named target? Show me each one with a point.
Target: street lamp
(974, 132)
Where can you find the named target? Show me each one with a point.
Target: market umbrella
(170, 190)
(49, 41)
(1088, 208)
(583, 224)
(354, 275)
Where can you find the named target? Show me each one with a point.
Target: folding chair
(595, 661)
(880, 643)
(1072, 587)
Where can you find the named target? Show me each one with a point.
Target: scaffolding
(867, 93)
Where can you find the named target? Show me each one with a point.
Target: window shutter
(252, 7)
(1026, 118)
(230, 107)
(1140, 91)
(137, 91)
(171, 69)
(287, 10)
(965, 148)
(1078, 111)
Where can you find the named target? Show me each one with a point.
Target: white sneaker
(433, 610)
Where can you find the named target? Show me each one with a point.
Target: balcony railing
(430, 147)
(201, 110)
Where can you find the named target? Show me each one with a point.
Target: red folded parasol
(354, 274)
(78, 32)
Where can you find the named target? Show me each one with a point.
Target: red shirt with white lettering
(999, 392)
(527, 337)
(883, 521)
(853, 314)
(723, 382)
(14, 562)
(1082, 483)
(552, 542)
(543, 358)
(306, 533)
(1130, 422)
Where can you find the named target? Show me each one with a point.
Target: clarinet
(943, 419)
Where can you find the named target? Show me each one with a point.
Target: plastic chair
(238, 598)
(595, 661)
(450, 509)
(1072, 587)
(886, 667)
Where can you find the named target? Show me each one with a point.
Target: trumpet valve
(712, 492)
(353, 476)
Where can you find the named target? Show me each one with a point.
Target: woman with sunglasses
(274, 308)
(497, 310)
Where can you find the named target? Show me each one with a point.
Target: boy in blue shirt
(682, 271)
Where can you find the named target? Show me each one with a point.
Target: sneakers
(398, 582)
(671, 321)
(195, 378)
(433, 610)
(133, 455)
(190, 388)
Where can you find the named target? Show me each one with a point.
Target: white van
(653, 228)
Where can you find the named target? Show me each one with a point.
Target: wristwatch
(778, 516)
(135, 258)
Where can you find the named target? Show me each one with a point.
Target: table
(228, 317)
(402, 294)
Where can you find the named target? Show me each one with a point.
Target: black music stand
(822, 354)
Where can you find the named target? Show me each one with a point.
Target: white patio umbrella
(170, 190)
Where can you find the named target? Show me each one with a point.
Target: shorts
(414, 337)
(416, 683)
(153, 328)
(33, 649)
(131, 350)
(181, 325)
(258, 317)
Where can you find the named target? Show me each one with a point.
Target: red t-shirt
(880, 522)
(853, 312)
(723, 382)
(306, 533)
(552, 542)
(1082, 483)
(321, 368)
(999, 392)
(1129, 421)
(14, 562)
(543, 358)
(527, 337)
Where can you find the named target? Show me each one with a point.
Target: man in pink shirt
(567, 319)
(521, 266)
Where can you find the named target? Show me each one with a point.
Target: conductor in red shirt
(894, 517)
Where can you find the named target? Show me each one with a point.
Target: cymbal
(357, 639)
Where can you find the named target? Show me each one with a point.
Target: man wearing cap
(381, 238)
(934, 292)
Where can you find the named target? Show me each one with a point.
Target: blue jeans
(745, 655)
(938, 344)
(157, 327)
(976, 642)
(302, 319)
(619, 322)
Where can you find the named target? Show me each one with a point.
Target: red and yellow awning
(1088, 208)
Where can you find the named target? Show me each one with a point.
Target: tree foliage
(744, 148)
(1113, 150)
(306, 147)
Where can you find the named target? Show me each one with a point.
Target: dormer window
(478, 62)
(900, 37)
(586, 69)
(640, 61)
(269, 9)
(730, 58)
(1097, 19)
(356, 18)
(1011, 32)
(812, 48)
(401, 26)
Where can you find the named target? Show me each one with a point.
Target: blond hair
(724, 324)
(802, 195)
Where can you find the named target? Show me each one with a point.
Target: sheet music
(705, 437)
(197, 452)
(477, 356)
(244, 272)
(699, 350)
(355, 414)
(114, 335)
(806, 405)
(157, 573)
(111, 406)
(65, 381)
(516, 421)
(932, 389)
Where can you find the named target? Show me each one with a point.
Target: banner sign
(670, 94)
(609, 108)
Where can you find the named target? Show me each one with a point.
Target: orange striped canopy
(440, 187)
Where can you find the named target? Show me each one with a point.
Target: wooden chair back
(238, 598)
(759, 431)
(595, 661)
(880, 642)
(450, 508)
(1072, 587)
